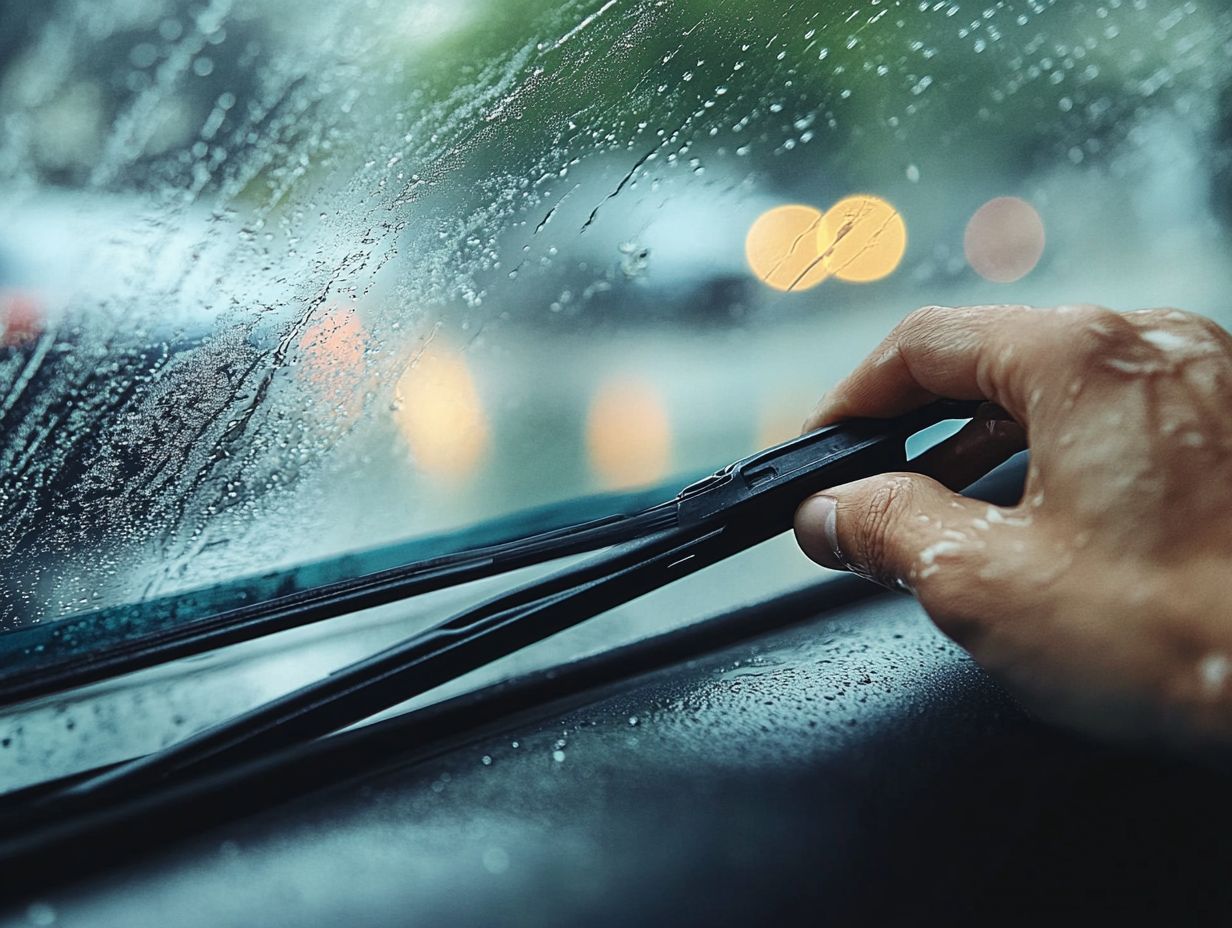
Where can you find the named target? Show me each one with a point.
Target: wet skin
(1104, 599)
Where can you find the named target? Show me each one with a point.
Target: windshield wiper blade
(737, 507)
(66, 653)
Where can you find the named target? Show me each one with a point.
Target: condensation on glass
(279, 280)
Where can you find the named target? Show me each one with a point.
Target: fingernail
(817, 531)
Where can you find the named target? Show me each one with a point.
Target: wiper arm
(727, 512)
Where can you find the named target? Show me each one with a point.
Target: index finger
(1007, 355)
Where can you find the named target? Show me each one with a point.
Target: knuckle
(1170, 317)
(1209, 329)
(1201, 335)
(1098, 333)
(924, 319)
(1139, 343)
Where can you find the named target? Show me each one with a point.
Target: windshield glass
(280, 281)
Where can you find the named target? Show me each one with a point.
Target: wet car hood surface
(847, 768)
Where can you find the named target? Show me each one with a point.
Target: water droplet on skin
(1165, 340)
(930, 554)
(558, 756)
(997, 517)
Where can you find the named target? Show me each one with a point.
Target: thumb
(896, 529)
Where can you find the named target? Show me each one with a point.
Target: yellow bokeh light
(861, 238)
(1004, 240)
(781, 247)
(439, 414)
(628, 436)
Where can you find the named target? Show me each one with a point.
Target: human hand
(1104, 598)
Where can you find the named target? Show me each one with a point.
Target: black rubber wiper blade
(72, 652)
(730, 511)
(438, 655)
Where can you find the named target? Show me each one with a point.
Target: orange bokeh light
(628, 436)
(781, 247)
(440, 415)
(21, 318)
(862, 238)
